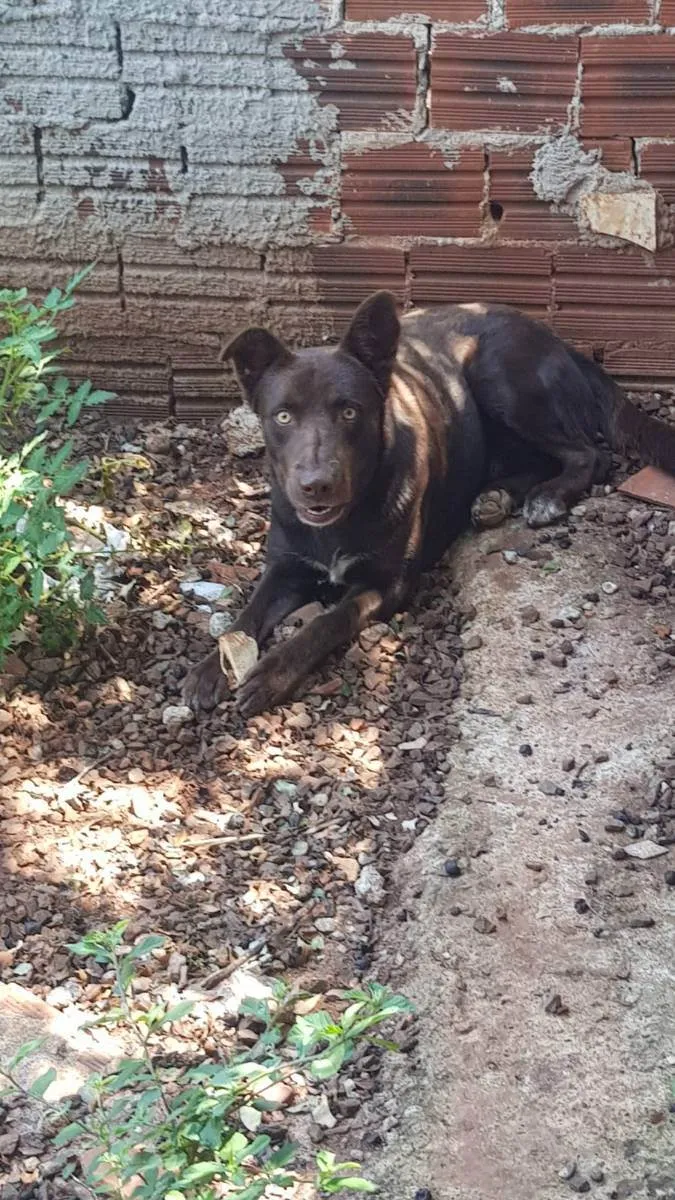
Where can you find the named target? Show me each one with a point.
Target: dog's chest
(342, 569)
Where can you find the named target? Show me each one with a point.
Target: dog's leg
(549, 501)
(284, 586)
(275, 678)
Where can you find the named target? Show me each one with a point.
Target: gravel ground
(333, 840)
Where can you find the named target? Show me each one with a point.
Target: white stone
(243, 432)
(370, 885)
(175, 715)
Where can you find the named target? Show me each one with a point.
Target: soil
(452, 808)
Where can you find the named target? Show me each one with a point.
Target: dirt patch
(543, 973)
(292, 842)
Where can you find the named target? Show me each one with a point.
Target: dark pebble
(452, 868)
(423, 1194)
(597, 1175)
(525, 750)
(641, 922)
(537, 655)
(30, 926)
(580, 1185)
(581, 906)
(670, 878)
(585, 837)
(618, 855)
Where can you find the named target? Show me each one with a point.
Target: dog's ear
(373, 335)
(253, 352)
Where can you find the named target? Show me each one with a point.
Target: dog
(382, 449)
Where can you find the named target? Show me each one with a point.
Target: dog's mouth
(320, 514)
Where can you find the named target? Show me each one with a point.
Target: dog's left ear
(253, 352)
(373, 335)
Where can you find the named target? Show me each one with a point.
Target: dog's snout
(315, 484)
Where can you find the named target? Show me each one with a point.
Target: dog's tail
(623, 425)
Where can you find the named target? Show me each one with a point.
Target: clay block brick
(151, 250)
(641, 366)
(618, 295)
(45, 101)
(314, 292)
(657, 166)
(576, 12)
(454, 11)
(513, 205)
(413, 191)
(628, 86)
(186, 317)
(505, 81)
(203, 393)
(667, 13)
(616, 152)
(369, 77)
(518, 275)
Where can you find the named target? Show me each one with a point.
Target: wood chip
(238, 653)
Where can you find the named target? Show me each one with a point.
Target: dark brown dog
(379, 447)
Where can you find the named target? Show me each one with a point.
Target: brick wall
(228, 161)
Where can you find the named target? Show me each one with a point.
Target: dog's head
(322, 409)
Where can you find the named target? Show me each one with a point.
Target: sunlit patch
(462, 349)
(480, 310)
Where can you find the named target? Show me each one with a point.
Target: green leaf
(282, 1157)
(40, 1085)
(68, 1134)
(329, 1064)
(199, 1172)
(176, 1013)
(250, 1117)
(355, 1184)
(153, 941)
(25, 1051)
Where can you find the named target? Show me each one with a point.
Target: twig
(227, 840)
(222, 973)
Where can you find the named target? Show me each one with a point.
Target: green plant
(41, 572)
(164, 1133)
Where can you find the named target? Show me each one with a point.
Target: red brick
(616, 152)
(667, 13)
(413, 191)
(369, 77)
(313, 293)
(519, 82)
(613, 294)
(628, 85)
(523, 215)
(657, 165)
(433, 10)
(203, 393)
(645, 365)
(518, 275)
(576, 12)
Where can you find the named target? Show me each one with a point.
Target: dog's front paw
(491, 509)
(205, 685)
(271, 683)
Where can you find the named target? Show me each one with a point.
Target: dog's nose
(315, 485)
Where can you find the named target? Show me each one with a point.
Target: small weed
(197, 1133)
(41, 573)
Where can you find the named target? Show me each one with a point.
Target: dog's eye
(283, 417)
(349, 414)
